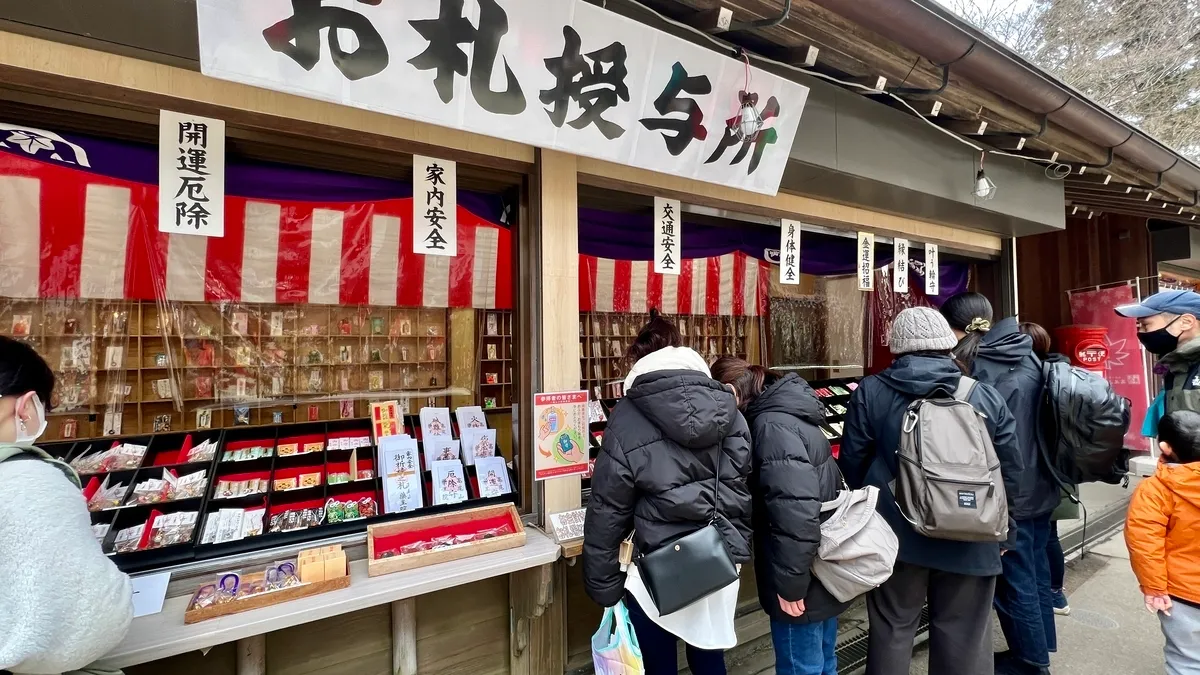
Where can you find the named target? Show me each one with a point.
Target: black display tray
(159, 445)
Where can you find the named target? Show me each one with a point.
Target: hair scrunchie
(978, 325)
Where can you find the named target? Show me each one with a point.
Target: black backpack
(1083, 425)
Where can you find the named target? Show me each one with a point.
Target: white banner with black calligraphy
(932, 278)
(789, 253)
(866, 261)
(561, 74)
(191, 174)
(435, 206)
(668, 236)
(900, 257)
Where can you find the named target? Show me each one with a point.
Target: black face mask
(1160, 342)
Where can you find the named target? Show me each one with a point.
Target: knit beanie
(921, 329)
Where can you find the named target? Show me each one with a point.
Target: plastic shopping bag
(615, 649)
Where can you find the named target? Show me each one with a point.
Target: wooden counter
(163, 635)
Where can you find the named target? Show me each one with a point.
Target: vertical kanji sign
(866, 261)
(932, 280)
(435, 207)
(191, 174)
(668, 235)
(900, 256)
(789, 253)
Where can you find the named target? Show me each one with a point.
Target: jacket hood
(789, 394)
(1184, 356)
(1183, 480)
(1004, 343)
(919, 375)
(688, 407)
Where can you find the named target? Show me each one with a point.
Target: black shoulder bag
(691, 567)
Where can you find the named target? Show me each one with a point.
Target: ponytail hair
(658, 333)
(747, 380)
(970, 313)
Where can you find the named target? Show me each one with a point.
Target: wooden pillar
(404, 637)
(538, 621)
(252, 655)
(559, 209)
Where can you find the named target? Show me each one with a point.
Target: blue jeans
(805, 648)
(1024, 602)
(659, 654)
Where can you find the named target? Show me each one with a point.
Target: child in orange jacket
(1160, 532)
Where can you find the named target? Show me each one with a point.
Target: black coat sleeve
(858, 441)
(1004, 439)
(791, 493)
(736, 451)
(609, 520)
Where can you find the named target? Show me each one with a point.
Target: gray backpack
(949, 484)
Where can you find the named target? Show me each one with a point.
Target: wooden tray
(264, 599)
(410, 561)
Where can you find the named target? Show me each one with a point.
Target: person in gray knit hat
(921, 329)
(956, 578)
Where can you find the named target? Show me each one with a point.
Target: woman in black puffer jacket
(655, 476)
(794, 471)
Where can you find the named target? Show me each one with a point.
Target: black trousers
(960, 613)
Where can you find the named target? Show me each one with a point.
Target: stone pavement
(1108, 631)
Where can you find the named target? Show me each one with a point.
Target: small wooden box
(408, 561)
(264, 599)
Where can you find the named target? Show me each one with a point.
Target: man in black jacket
(957, 578)
(794, 471)
(1003, 357)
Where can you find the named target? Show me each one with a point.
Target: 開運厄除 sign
(560, 74)
(191, 174)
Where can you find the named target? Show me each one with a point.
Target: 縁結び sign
(435, 211)
(560, 74)
(900, 257)
(668, 232)
(191, 174)
(789, 253)
(561, 425)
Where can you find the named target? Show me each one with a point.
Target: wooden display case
(605, 338)
(450, 524)
(156, 367)
(496, 362)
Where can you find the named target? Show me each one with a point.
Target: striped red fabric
(67, 233)
(734, 284)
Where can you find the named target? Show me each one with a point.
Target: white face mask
(23, 428)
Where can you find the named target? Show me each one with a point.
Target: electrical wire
(1053, 169)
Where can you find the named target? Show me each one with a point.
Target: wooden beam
(965, 127)
(714, 20)
(558, 215)
(404, 637)
(252, 655)
(537, 618)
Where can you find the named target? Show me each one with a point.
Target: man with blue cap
(1169, 327)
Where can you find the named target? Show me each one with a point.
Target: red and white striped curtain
(68, 233)
(734, 284)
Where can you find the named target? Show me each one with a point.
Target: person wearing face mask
(1168, 327)
(63, 603)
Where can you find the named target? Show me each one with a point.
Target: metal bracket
(917, 91)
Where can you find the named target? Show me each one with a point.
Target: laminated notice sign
(668, 233)
(435, 206)
(789, 253)
(900, 256)
(191, 174)
(932, 282)
(865, 267)
(561, 420)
